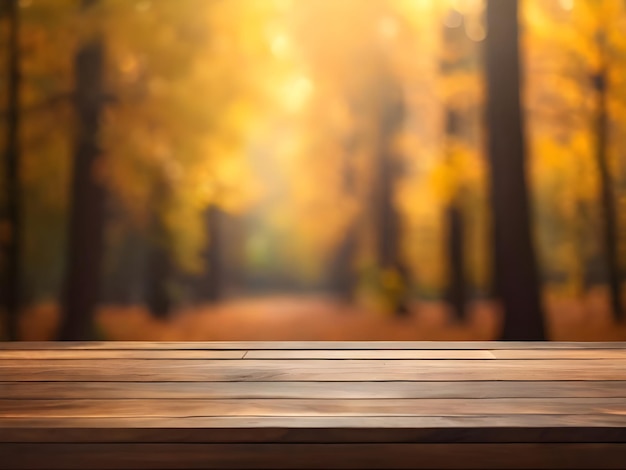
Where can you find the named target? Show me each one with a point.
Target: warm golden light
(313, 148)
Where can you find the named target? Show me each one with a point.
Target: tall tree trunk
(606, 194)
(210, 285)
(13, 242)
(456, 293)
(159, 277)
(387, 217)
(160, 265)
(82, 283)
(342, 276)
(456, 288)
(455, 58)
(516, 272)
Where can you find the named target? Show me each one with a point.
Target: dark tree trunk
(158, 278)
(456, 292)
(159, 263)
(516, 273)
(210, 285)
(387, 218)
(13, 243)
(456, 288)
(86, 229)
(456, 57)
(607, 200)
(342, 276)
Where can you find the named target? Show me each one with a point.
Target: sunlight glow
(388, 27)
(297, 92)
(280, 45)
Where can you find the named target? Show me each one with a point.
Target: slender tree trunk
(458, 48)
(388, 219)
(85, 249)
(158, 278)
(456, 292)
(342, 275)
(160, 265)
(607, 197)
(516, 272)
(210, 285)
(456, 289)
(13, 243)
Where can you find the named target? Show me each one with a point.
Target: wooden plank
(38, 354)
(558, 354)
(470, 429)
(166, 408)
(312, 354)
(131, 370)
(321, 423)
(311, 456)
(370, 354)
(281, 406)
(327, 390)
(278, 345)
(45, 354)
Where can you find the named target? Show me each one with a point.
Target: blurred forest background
(313, 169)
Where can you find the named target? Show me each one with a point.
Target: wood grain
(326, 390)
(308, 407)
(559, 354)
(238, 405)
(129, 370)
(370, 354)
(38, 354)
(47, 354)
(537, 422)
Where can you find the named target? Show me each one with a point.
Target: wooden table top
(294, 404)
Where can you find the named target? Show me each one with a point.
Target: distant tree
(342, 270)
(455, 54)
(516, 273)
(210, 284)
(607, 197)
(343, 278)
(160, 265)
(13, 275)
(159, 273)
(578, 130)
(86, 225)
(456, 293)
(388, 240)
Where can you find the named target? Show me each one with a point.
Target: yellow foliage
(274, 107)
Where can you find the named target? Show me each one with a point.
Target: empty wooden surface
(312, 405)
